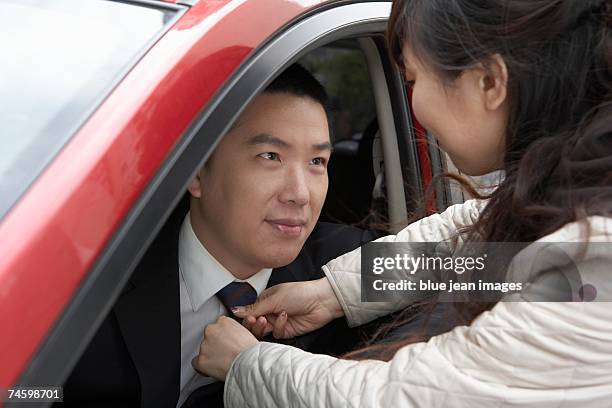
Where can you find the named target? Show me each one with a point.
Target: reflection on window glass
(59, 58)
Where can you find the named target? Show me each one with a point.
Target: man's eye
(269, 156)
(409, 82)
(318, 161)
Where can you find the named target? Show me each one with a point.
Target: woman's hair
(558, 157)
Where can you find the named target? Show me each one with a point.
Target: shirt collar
(203, 275)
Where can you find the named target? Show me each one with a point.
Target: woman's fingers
(279, 326)
(249, 322)
(222, 342)
(265, 304)
(260, 327)
(264, 325)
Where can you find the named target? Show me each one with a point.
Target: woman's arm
(519, 354)
(344, 272)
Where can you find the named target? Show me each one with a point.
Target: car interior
(366, 187)
(342, 69)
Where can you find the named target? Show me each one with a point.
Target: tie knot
(237, 294)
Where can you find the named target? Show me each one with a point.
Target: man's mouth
(288, 226)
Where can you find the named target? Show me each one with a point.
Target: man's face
(257, 200)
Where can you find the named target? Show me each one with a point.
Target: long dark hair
(558, 159)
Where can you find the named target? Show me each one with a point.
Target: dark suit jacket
(134, 358)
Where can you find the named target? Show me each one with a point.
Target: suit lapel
(149, 319)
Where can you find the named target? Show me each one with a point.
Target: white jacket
(518, 354)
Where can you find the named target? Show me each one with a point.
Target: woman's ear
(494, 82)
(195, 186)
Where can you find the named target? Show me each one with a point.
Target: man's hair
(297, 80)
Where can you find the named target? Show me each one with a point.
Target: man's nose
(295, 187)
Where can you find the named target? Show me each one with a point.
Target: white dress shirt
(200, 277)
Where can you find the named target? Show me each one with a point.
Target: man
(252, 207)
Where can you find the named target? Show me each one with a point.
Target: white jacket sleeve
(518, 354)
(344, 272)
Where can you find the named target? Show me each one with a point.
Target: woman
(518, 85)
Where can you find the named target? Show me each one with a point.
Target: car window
(342, 69)
(59, 58)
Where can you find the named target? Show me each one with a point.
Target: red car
(110, 107)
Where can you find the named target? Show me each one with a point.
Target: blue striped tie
(237, 294)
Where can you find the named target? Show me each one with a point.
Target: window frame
(402, 172)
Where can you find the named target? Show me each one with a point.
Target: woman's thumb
(263, 305)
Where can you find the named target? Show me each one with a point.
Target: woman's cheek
(418, 106)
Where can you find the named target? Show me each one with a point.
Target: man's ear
(493, 82)
(195, 188)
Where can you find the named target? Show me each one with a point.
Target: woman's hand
(291, 309)
(223, 341)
